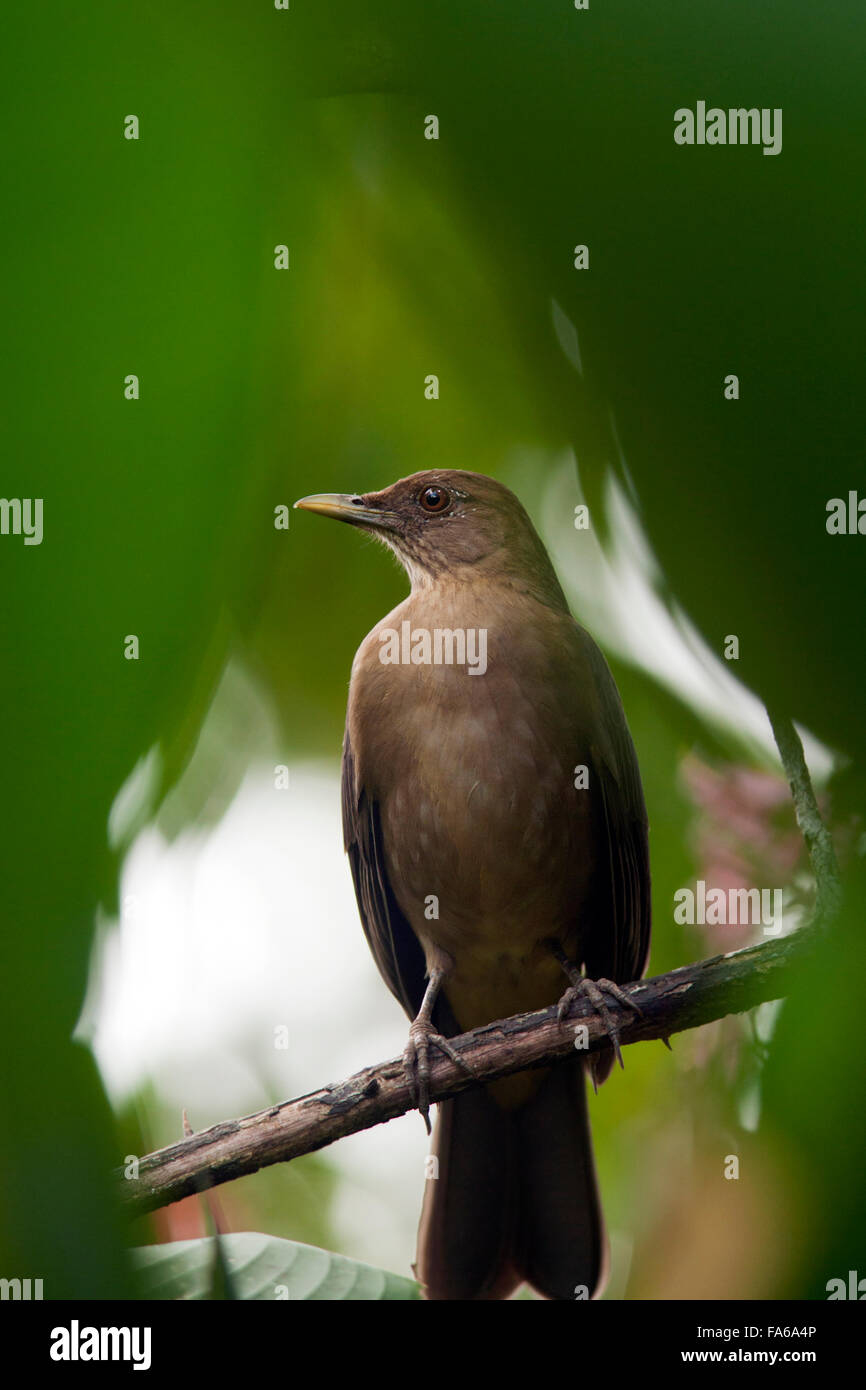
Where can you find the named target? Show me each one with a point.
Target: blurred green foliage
(305, 127)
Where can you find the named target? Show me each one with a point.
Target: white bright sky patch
(230, 932)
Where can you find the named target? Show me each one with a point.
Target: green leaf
(264, 1267)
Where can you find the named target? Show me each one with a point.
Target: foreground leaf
(264, 1267)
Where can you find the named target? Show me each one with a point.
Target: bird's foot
(416, 1063)
(594, 991)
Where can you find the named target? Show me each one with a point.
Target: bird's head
(446, 521)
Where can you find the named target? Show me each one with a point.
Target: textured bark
(672, 1003)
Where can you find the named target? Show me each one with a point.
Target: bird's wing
(396, 949)
(621, 954)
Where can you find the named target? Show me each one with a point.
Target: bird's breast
(489, 844)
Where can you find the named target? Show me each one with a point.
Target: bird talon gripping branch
(416, 1063)
(594, 990)
(473, 848)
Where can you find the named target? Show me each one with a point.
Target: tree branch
(672, 1003)
(828, 895)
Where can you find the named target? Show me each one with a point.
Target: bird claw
(593, 990)
(416, 1064)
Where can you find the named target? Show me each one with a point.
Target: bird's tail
(515, 1198)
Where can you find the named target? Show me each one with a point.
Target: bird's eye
(435, 499)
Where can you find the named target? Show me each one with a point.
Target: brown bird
(495, 824)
